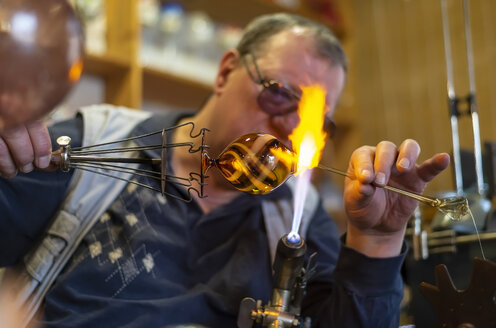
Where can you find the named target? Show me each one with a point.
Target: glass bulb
(256, 163)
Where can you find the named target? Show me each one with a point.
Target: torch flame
(308, 138)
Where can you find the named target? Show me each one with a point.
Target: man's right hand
(24, 148)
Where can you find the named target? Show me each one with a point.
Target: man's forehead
(292, 51)
(305, 70)
(296, 38)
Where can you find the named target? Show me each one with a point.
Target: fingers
(23, 148)
(408, 154)
(42, 146)
(385, 157)
(429, 169)
(390, 159)
(362, 164)
(8, 168)
(376, 164)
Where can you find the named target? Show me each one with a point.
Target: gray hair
(258, 32)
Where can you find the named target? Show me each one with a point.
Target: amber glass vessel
(256, 163)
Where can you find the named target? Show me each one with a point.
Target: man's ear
(227, 64)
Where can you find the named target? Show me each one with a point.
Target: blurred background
(161, 55)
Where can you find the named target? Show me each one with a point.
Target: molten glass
(41, 57)
(454, 207)
(253, 163)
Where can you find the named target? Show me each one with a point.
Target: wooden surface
(104, 65)
(398, 73)
(123, 41)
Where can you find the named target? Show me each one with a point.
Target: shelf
(158, 86)
(122, 78)
(128, 83)
(240, 13)
(174, 90)
(104, 65)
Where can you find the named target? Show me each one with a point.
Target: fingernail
(27, 168)
(404, 163)
(44, 161)
(380, 178)
(366, 173)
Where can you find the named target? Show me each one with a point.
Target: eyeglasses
(278, 99)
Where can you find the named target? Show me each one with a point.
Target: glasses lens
(275, 99)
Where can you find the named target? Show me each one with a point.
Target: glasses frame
(271, 85)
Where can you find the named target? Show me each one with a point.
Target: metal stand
(479, 204)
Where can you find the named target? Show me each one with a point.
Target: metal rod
(187, 200)
(435, 202)
(453, 103)
(435, 241)
(472, 238)
(163, 162)
(81, 159)
(147, 135)
(117, 150)
(473, 102)
(115, 168)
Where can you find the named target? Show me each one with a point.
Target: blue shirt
(154, 261)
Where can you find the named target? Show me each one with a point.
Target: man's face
(285, 59)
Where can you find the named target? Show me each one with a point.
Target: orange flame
(308, 138)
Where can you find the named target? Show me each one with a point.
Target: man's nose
(285, 124)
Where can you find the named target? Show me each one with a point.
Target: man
(150, 262)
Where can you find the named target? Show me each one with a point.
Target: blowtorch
(289, 285)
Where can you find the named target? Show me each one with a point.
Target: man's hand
(377, 217)
(24, 148)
